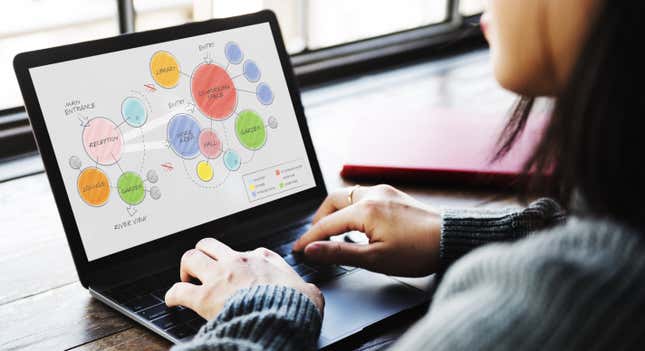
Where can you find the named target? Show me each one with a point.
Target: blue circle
(183, 135)
(251, 71)
(233, 53)
(264, 93)
(134, 112)
(232, 160)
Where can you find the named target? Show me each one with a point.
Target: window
(36, 24)
(471, 7)
(306, 24)
(327, 38)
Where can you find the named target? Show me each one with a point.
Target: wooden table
(42, 304)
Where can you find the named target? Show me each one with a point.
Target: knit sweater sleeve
(261, 318)
(466, 229)
(577, 286)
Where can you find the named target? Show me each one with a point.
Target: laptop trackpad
(360, 299)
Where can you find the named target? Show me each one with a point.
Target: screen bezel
(85, 268)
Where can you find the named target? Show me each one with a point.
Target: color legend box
(274, 180)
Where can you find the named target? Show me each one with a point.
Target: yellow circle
(204, 171)
(164, 69)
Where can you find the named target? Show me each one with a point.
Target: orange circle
(93, 186)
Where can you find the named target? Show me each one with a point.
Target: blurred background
(307, 25)
(329, 41)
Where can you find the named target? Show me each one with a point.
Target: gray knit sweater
(579, 285)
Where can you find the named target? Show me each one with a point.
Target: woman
(556, 282)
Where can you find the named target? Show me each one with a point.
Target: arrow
(132, 211)
(84, 122)
(208, 58)
(150, 87)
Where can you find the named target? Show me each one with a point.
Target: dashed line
(189, 176)
(143, 159)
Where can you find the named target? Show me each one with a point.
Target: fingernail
(313, 248)
(188, 253)
(165, 297)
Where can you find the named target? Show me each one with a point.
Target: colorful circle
(209, 143)
(232, 160)
(204, 171)
(131, 190)
(213, 91)
(165, 69)
(93, 186)
(264, 94)
(250, 130)
(251, 71)
(134, 112)
(102, 141)
(183, 135)
(233, 53)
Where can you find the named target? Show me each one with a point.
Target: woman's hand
(222, 271)
(403, 233)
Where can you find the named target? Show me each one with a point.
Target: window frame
(311, 67)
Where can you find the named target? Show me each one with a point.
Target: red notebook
(440, 146)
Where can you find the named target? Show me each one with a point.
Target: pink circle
(213, 91)
(209, 143)
(102, 141)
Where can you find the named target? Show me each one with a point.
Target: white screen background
(104, 81)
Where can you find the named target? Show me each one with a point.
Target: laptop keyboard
(145, 297)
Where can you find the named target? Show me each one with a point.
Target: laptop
(154, 140)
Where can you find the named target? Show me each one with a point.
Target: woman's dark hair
(595, 140)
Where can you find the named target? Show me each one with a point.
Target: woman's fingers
(196, 264)
(330, 252)
(183, 294)
(331, 204)
(338, 222)
(214, 248)
(338, 200)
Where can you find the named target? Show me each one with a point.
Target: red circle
(210, 144)
(213, 91)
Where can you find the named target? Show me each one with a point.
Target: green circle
(250, 130)
(131, 189)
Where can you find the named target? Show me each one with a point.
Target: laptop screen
(157, 139)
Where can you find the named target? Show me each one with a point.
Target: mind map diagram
(198, 130)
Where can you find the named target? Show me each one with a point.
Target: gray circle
(273, 122)
(155, 193)
(152, 176)
(75, 162)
